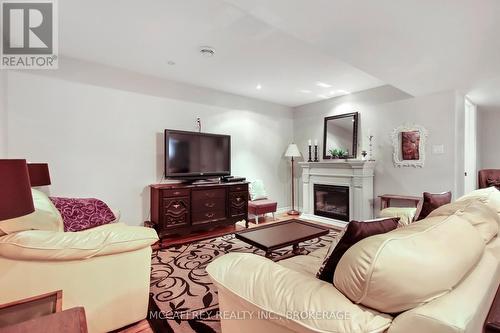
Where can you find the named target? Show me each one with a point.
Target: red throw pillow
(433, 201)
(354, 232)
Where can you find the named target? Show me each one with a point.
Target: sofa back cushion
(45, 217)
(354, 232)
(489, 196)
(479, 215)
(410, 266)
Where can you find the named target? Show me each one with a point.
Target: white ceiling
(418, 46)
(144, 36)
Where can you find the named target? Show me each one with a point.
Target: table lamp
(293, 151)
(39, 174)
(15, 190)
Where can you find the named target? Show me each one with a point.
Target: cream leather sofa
(438, 275)
(105, 269)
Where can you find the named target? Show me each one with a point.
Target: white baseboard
(335, 223)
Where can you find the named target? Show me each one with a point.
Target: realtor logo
(29, 34)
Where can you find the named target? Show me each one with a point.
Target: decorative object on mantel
(310, 151)
(338, 153)
(341, 133)
(316, 151)
(363, 154)
(408, 143)
(293, 151)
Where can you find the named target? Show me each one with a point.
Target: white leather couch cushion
(290, 296)
(461, 311)
(45, 217)
(490, 196)
(51, 245)
(481, 216)
(410, 266)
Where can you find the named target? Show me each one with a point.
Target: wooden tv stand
(184, 208)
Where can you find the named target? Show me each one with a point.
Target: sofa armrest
(290, 295)
(61, 246)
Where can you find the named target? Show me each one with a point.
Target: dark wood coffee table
(282, 234)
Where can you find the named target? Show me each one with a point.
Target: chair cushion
(409, 266)
(405, 214)
(478, 214)
(45, 217)
(354, 232)
(257, 190)
(433, 201)
(61, 246)
(262, 206)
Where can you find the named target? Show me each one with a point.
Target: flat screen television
(193, 155)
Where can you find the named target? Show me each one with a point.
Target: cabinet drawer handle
(238, 199)
(210, 204)
(176, 206)
(209, 195)
(177, 193)
(210, 215)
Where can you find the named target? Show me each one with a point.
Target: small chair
(489, 177)
(259, 204)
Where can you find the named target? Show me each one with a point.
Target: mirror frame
(352, 153)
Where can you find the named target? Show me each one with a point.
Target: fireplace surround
(351, 180)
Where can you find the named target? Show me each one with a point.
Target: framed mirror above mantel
(341, 134)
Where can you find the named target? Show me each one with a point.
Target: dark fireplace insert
(331, 201)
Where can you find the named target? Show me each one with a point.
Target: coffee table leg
(296, 249)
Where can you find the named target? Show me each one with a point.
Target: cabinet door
(175, 212)
(238, 204)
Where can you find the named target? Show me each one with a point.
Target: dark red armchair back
(489, 177)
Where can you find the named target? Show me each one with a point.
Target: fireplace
(331, 201)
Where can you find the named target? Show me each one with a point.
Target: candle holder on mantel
(316, 153)
(310, 154)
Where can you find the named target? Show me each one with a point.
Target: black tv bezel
(193, 175)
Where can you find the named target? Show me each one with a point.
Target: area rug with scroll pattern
(185, 300)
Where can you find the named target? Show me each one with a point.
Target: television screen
(196, 155)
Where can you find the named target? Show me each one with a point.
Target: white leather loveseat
(105, 269)
(438, 275)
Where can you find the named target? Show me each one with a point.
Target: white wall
(489, 138)
(101, 131)
(381, 110)
(3, 114)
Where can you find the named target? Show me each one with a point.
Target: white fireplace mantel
(355, 174)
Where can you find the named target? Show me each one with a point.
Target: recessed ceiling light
(259, 87)
(323, 85)
(339, 92)
(207, 51)
(171, 63)
(305, 91)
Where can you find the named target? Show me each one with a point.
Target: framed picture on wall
(410, 145)
(408, 142)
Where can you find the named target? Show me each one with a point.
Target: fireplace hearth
(331, 201)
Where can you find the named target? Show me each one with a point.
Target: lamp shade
(292, 151)
(15, 189)
(39, 174)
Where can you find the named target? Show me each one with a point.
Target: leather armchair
(486, 176)
(105, 269)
